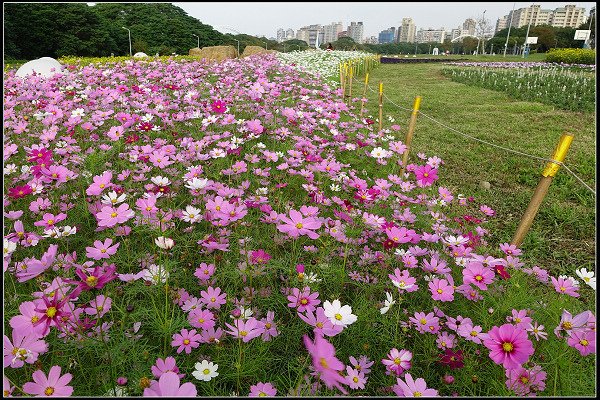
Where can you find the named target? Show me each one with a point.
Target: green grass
(562, 235)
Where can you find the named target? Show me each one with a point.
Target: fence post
(542, 188)
(380, 105)
(409, 133)
(350, 86)
(362, 105)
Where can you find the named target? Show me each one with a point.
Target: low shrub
(572, 56)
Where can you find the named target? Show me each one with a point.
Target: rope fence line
(486, 142)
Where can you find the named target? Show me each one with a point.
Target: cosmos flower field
(181, 228)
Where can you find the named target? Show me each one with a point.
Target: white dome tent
(45, 66)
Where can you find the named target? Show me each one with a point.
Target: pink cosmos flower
(305, 300)
(524, 382)
(111, 216)
(520, 318)
(441, 290)
(168, 385)
(262, 390)
(478, 275)
(204, 271)
(24, 321)
(18, 192)
(162, 367)
(54, 385)
(425, 323)
(202, 319)
(259, 257)
(101, 250)
(211, 335)
(218, 106)
(186, 340)
(213, 298)
(508, 345)
(322, 325)
(24, 348)
(537, 331)
(36, 267)
(568, 323)
(565, 286)
(445, 340)
(471, 333)
(325, 363)
(245, 330)
(403, 281)
(269, 329)
(99, 306)
(7, 388)
(413, 388)
(49, 220)
(355, 378)
(100, 183)
(297, 225)
(397, 361)
(584, 341)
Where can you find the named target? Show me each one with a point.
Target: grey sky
(263, 19)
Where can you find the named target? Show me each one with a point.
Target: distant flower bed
(547, 83)
(521, 64)
(323, 63)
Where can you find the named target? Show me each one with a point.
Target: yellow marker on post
(380, 105)
(409, 133)
(560, 152)
(362, 105)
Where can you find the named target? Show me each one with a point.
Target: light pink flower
(101, 250)
(54, 385)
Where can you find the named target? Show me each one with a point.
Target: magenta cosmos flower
(297, 225)
(425, 175)
(441, 290)
(53, 386)
(478, 275)
(397, 361)
(305, 300)
(584, 341)
(413, 388)
(262, 390)
(509, 345)
(565, 286)
(186, 340)
(168, 385)
(325, 362)
(111, 216)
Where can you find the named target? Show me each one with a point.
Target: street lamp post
(193, 34)
(129, 32)
(429, 52)
(266, 45)
(527, 35)
(298, 46)
(509, 25)
(482, 39)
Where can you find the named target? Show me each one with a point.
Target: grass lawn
(563, 233)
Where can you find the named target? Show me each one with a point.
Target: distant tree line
(34, 30)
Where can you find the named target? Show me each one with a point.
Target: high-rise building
(406, 33)
(355, 31)
(331, 31)
(431, 35)
(501, 23)
(533, 14)
(470, 25)
(280, 35)
(567, 16)
(370, 40)
(309, 34)
(289, 34)
(387, 35)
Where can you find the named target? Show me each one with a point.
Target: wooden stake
(350, 87)
(362, 105)
(542, 188)
(380, 105)
(409, 134)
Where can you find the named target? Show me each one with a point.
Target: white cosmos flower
(155, 274)
(160, 181)
(191, 214)
(455, 240)
(113, 198)
(205, 371)
(338, 314)
(68, 230)
(9, 169)
(379, 153)
(217, 153)
(196, 183)
(587, 276)
(387, 303)
(9, 247)
(334, 187)
(78, 112)
(311, 277)
(164, 243)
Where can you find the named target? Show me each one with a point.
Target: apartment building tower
(407, 30)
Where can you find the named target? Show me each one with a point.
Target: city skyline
(263, 19)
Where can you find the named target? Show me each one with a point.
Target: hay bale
(214, 53)
(251, 50)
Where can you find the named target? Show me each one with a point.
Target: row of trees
(34, 30)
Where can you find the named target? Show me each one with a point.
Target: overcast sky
(263, 19)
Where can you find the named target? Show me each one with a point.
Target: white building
(331, 31)
(568, 16)
(431, 35)
(309, 34)
(280, 35)
(289, 34)
(355, 31)
(406, 32)
(501, 23)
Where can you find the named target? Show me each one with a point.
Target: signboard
(532, 40)
(582, 34)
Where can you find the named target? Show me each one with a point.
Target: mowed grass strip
(562, 237)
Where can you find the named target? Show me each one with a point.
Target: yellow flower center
(507, 347)
(113, 215)
(524, 379)
(268, 325)
(397, 361)
(50, 222)
(299, 225)
(323, 362)
(186, 341)
(425, 174)
(51, 312)
(206, 371)
(49, 391)
(440, 291)
(417, 394)
(473, 333)
(319, 325)
(103, 251)
(212, 299)
(243, 333)
(479, 278)
(303, 301)
(517, 320)
(338, 317)
(218, 208)
(35, 319)
(201, 320)
(102, 185)
(584, 342)
(355, 379)
(423, 321)
(91, 281)
(567, 325)
(262, 394)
